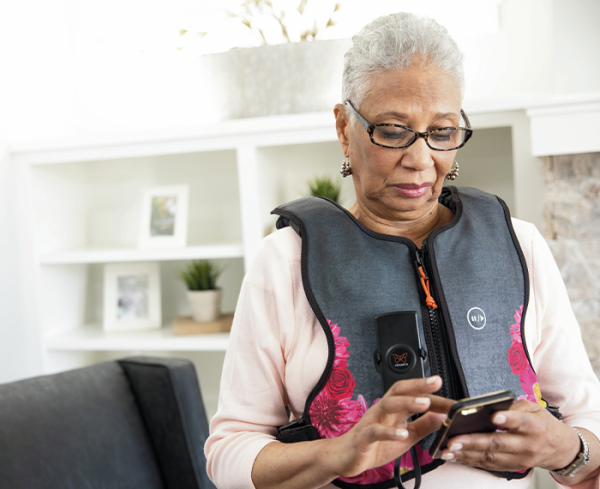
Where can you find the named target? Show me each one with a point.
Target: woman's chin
(408, 208)
(412, 203)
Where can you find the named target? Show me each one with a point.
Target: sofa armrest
(168, 396)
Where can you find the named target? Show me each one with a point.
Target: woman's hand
(533, 438)
(383, 433)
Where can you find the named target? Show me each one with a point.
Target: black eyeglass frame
(370, 128)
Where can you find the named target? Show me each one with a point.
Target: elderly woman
(492, 311)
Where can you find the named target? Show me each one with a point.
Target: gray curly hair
(395, 42)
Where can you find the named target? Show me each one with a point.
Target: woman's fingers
(441, 404)
(401, 407)
(486, 442)
(486, 449)
(403, 400)
(428, 385)
(493, 451)
(425, 387)
(405, 405)
(530, 437)
(384, 433)
(426, 424)
(407, 398)
(519, 417)
(489, 460)
(419, 393)
(378, 432)
(512, 420)
(410, 432)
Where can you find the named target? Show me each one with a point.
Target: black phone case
(472, 415)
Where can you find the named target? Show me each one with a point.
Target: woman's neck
(416, 229)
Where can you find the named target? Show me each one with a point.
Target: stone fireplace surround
(572, 229)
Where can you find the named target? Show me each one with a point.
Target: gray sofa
(136, 423)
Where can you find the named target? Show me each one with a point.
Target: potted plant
(204, 296)
(325, 187)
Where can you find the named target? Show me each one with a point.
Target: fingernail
(433, 380)
(455, 447)
(422, 400)
(401, 433)
(447, 456)
(499, 419)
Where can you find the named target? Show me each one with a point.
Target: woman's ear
(342, 127)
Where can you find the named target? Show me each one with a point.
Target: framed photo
(132, 297)
(164, 217)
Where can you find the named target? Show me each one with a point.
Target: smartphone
(472, 415)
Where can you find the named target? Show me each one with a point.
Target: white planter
(281, 79)
(205, 304)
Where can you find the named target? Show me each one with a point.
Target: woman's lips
(412, 189)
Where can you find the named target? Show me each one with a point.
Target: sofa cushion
(75, 430)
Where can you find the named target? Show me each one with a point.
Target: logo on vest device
(400, 359)
(476, 318)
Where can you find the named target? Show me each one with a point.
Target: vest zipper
(438, 332)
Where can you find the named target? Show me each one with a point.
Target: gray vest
(478, 278)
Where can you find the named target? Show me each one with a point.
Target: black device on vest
(399, 356)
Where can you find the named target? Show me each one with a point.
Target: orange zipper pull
(429, 300)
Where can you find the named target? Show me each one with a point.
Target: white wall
(575, 47)
(36, 83)
(19, 353)
(516, 60)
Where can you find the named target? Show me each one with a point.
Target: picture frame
(132, 298)
(164, 217)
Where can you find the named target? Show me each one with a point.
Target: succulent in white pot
(200, 277)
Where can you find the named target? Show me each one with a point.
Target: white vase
(205, 304)
(281, 79)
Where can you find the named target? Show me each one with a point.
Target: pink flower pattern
(341, 347)
(527, 377)
(333, 417)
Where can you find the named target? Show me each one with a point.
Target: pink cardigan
(278, 351)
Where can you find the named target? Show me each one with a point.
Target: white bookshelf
(83, 203)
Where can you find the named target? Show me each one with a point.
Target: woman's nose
(418, 156)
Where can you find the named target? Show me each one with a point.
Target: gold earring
(453, 175)
(346, 170)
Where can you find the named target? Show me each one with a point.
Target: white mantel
(565, 125)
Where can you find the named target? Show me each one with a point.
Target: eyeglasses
(396, 136)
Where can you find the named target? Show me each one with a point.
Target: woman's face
(401, 184)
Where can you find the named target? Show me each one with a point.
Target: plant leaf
(201, 275)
